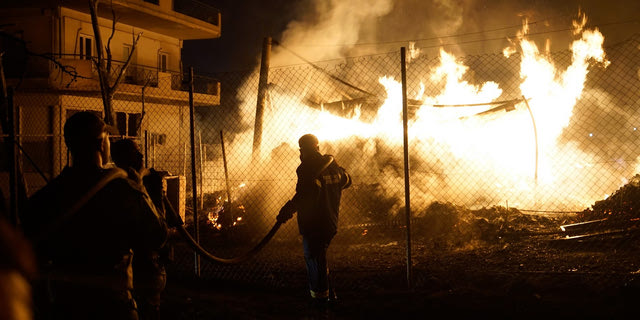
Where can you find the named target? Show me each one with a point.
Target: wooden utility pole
(407, 189)
(262, 97)
(226, 173)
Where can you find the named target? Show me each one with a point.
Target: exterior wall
(160, 119)
(45, 105)
(28, 25)
(168, 137)
(149, 46)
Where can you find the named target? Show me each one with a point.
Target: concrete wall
(149, 46)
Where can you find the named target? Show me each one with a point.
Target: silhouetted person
(17, 270)
(86, 225)
(317, 202)
(149, 271)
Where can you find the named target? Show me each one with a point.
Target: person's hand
(286, 212)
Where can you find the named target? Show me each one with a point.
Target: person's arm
(307, 188)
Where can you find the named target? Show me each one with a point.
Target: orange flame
(498, 150)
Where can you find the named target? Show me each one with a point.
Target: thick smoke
(333, 30)
(331, 24)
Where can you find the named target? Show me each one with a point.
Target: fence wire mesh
(495, 168)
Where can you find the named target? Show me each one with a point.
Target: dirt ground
(523, 273)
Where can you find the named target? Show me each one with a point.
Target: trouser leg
(315, 255)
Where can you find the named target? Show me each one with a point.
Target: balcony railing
(198, 10)
(135, 74)
(201, 84)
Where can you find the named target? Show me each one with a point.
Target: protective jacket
(318, 192)
(92, 247)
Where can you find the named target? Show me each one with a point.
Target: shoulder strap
(111, 175)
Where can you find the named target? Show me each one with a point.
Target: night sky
(328, 29)
(245, 23)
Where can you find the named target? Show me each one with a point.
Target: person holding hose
(86, 225)
(149, 266)
(317, 201)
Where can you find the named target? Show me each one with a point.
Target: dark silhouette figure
(86, 225)
(317, 202)
(149, 266)
(17, 270)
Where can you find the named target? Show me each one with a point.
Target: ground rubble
(492, 261)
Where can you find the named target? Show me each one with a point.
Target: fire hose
(121, 174)
(204, 253)
(199, 249)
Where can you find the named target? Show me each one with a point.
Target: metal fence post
(194, 183)
(405, 143)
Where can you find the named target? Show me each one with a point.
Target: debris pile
(624, 204)
(614, 219)
(449, 225)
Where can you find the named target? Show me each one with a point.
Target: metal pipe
(535, 134)
(194, 184)
(407, 190)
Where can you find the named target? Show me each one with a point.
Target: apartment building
(50, 53)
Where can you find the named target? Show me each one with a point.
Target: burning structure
(519, 129)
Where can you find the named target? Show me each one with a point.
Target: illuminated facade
(46, 95)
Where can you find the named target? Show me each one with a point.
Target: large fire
(512, 156)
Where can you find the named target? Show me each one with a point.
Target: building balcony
(171, 85)
(201, 84)
(198, 10)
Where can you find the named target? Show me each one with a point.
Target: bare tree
(108, 81)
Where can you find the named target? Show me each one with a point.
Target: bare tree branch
(69, 70)
(108, 46)
(123, 70)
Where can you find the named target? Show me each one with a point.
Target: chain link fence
(497, 163)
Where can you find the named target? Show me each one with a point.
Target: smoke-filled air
(472, 142)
